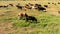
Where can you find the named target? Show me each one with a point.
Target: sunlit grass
(47, 23)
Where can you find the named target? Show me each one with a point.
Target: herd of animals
(5, 6)
(30, 6)
(27, 6)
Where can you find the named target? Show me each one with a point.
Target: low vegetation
(10, 24)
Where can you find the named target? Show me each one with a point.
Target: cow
(46, 6)
(38, 7)
(19, 7)
(11, 4)
(27, 6)
(58, 2)
(59, 12)
(31, 18)
(21, 15)
(52, 3)
(30, 4)
(1, 6)
(5, 6)
(41, 8)
(48, 2)
(24, 0)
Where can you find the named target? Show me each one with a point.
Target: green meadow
(48, 22)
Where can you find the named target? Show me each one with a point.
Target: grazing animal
(39, 5)
(5, 6)
(30, 4)
(11, 4)
(36, 6)
(52, 3)
(55, 4)
(58, 2)
(46, 6)
(41, 8)
(59, 12)
(27, 7)
(1, 6)
(21, 15)
(24, 0)
(48, 2)
(31, 18)
(19, 7)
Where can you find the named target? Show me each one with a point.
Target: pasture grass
(47, 23)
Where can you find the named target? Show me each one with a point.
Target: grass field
(49, 22)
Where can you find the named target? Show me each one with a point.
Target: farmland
(48, 22)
